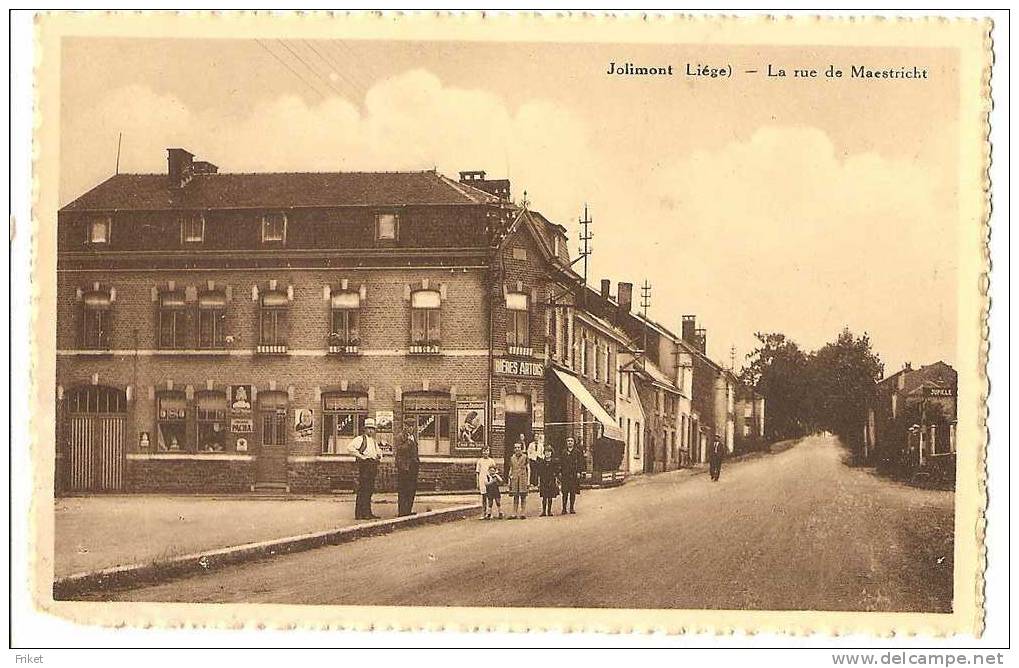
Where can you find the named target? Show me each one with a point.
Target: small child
(492, 493)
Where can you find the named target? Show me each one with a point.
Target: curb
(120, 577)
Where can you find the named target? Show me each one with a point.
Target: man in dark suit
(571, 464)
(715, 460)
(407, 463)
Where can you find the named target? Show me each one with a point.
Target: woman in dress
(518, 482)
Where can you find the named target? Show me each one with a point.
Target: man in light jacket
(534, 454)
(367, 454)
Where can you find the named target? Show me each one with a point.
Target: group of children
(518, 483)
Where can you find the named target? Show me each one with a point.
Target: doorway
(518, 421)
(95, 438)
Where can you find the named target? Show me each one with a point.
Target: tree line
(828, 389)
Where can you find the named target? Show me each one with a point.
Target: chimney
(476, 179)
(605, 284)
(179, 167)
(689, 327)
(701, 340)
(625, 296)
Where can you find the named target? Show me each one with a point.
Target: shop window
(172, 321)
(99, 229)
(96, 318)
(344, 334)
(343, 417)
(211, 320)
(171, 422)
(430, 415)
(518, 324)
(387, 227)
(274, 227)
(273, 321)
(425, 321)
(211, 422)
(192, 228)
(272, 409)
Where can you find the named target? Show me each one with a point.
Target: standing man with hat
(407, 463)
(367, 454)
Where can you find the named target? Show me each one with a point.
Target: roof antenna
(120, 136)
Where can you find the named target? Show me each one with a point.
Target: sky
(757, 203)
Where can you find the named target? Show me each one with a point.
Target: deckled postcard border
(972, 37)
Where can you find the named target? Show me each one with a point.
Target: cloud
(411, 121)
(783, 230)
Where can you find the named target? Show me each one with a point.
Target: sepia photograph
(602, 325)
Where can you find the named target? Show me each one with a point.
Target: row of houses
(910, 426)
(223, 332)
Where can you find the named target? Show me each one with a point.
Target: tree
(777, 369)
(842, 377)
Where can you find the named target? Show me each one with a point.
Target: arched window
(211, 424)
(211, 319)
(425, 320)
(273, 322)
(172, 320)
(518, 322)
(96, 319)
(171, 422)
(344, 334)
(343, 415)
(430, 414)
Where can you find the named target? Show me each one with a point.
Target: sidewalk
(99, 532)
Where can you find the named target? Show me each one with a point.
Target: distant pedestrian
(548, 482)
(533, 457)
(489, 480)
(571, 464)
(367, 454)
(518, 481)
(407, 463)
(715, 458)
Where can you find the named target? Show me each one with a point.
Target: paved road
(793, 530)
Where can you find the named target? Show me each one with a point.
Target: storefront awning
(578, 390)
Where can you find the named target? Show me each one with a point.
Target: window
(274, 227)
(192, 228)
(95, 334)
(211, 320)
(272, 408)
(425, 319)
(171, 422)
(211, 422)
(172, 321)
(99, 230)
(518, 322)
(429, 413)
(343, 417)
(273, 326)
(344, 334)
(386, 227)
(597, 361)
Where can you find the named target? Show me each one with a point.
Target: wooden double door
(94, 439)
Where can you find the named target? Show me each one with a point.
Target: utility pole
(732, 358)
(645, 302)
(585, 246)
(120, 137)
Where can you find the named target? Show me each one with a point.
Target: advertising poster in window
(240, 399)
(470, 424)
(384, 431)
(304, 425)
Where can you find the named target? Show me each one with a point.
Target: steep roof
(148, 192)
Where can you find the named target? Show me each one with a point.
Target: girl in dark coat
(548, 482)
(571, 464)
